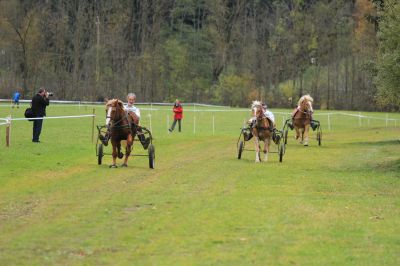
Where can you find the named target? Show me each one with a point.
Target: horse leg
(266, 149)
(119, 154)
(257, 147)
(127, 150)
(297, 133)
(306, 130)
(301, 136)
(114, 156)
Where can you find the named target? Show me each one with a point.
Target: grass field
(335, 204)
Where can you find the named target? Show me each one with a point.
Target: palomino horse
(302, 117)
(122, 127)
(260, 129)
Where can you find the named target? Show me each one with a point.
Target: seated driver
(269, 115)
(129, 107)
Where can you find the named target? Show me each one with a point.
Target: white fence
(8, 121)
(325, 117)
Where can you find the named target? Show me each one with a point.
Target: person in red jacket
(178, 115)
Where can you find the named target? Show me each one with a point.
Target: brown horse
(261, 130)
(123, 126)
(302, 117)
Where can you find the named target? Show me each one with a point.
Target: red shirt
(178, 110)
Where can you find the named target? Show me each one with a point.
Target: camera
(50, 94)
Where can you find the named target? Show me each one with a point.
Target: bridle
(306, 108)
(259, 115)
(115, 124)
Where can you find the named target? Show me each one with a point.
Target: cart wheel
(285, 137)
(240, 149)
(152, 156)
(319, 137)
(281, 151)
(100, 153)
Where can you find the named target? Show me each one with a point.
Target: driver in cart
(268, 114)
(129, 107)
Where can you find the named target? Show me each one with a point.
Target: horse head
(256, 108)
(305, 103)
(114, 109)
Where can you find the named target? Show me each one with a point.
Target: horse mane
(116, 103)
(255, 103)
(306, 97)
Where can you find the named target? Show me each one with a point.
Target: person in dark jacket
(39, 103)
(178, 115)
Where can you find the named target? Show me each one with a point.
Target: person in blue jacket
(15, 99)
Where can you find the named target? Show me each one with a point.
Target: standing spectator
(39, 104)
(15, 98)
(178, 115)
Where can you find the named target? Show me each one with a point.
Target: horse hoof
(113, 166)
(306, 144)
(120, 155)
(124, 165)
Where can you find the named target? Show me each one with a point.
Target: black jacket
(39, 104)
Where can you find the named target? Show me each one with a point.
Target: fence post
(151, 128)
(93, 112)
(8, 131)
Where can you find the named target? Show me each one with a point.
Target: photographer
(39, 104)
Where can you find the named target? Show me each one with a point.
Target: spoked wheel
(319, 137)
(285, 136)
(152, 156)
(240, 149)
(100, 153)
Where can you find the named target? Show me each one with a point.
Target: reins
(125, 116)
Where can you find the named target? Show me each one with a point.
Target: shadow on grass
(389, 166)
(377, 143)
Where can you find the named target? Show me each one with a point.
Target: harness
(254, 125)
(129, 125)
(303, 112)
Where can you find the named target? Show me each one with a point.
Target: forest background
(344, 53)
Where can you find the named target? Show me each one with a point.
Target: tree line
(342, 52)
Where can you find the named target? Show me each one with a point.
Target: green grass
(335, 204)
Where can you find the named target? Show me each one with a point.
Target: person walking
(15, 99)
(178, 115)
(39, 103)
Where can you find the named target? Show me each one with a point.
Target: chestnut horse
(260, 129)
(302, 117)
(122, 127)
